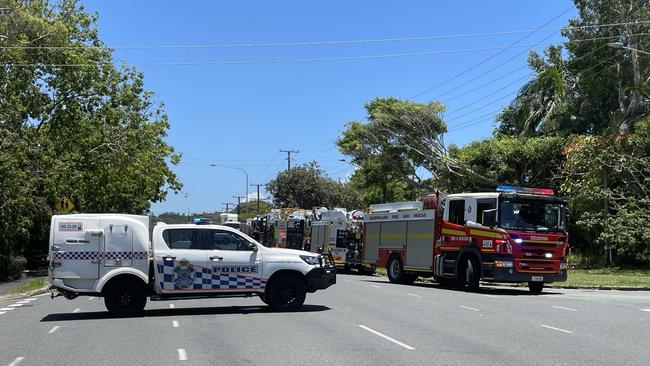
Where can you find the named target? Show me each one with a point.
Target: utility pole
(258, 196)
(238, 203)
(227, 206)
(289, 152)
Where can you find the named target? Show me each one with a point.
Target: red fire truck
(516, 234)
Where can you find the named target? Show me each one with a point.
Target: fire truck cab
(513, 235)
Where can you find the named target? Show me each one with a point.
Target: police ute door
(181, 260)
(235, 263)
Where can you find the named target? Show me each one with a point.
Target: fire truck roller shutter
(419, 244)
(393, 235)
(371, 242)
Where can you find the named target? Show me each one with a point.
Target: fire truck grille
(537, 266)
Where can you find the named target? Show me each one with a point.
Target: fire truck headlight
(548, 255)
(310, 259)
(503, 264)
(518, 241)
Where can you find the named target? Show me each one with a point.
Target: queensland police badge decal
(184, 274)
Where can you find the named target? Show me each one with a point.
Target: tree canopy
(72, 124)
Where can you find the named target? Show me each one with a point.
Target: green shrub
(11, 268)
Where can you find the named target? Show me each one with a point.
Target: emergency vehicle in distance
(337, 231)
(516, 234)
(111, 255)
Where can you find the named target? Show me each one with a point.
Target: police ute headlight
(310, 259)
(503, 264)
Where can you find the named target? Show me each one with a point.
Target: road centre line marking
(3, 312)
(32, 299)
(386, 337)
(5, 309)
(171, 306)
(554, 328)
(182, 355)
(563, 308)
(648, 310)
(410, 294)
(375, 286)
(468, 308)
(76, 310)
(175, 323)
(15, 305)
(54, 329)
(17, 361)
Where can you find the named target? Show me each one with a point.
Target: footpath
(9, 290)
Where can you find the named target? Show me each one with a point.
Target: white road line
(24, 302)
(5, 309)
(563, 308)
(386, 337)
(648, 310)
(468, 308)
(54, 329)
(171, 306)
(410, 294)
(182, 355)
(45, 294)
(76, 310)
(91, 298)
(375, 286)
(558, 329)
(17, 361)
(15, 305)
(32, 299)
(2, 312)
(175, 323)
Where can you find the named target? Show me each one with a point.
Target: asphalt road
(361, 320)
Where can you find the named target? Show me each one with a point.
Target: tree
(307, 186)
(72, 124)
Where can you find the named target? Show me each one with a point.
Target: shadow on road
(483, 290)
(226, 310)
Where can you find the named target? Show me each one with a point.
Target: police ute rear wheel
(287, 293)
(536, 288)
(125, 298)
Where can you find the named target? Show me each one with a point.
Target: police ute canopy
(113, 256)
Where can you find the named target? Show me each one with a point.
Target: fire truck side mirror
(489, 218)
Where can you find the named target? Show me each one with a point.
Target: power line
(489, 58)
(335, 42)
(316, 59)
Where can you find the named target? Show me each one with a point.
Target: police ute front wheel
(536, 288)
(287, 293)
(125, 298)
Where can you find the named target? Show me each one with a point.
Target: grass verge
(34, 284)
(607, 277)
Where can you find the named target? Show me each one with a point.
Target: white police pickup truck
(110, 255)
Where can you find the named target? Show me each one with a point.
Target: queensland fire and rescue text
(516, 234)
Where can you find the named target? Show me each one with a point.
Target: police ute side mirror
(253, 247)
(489, 218)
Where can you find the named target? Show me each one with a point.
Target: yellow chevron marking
(489, 234)
(453, 232)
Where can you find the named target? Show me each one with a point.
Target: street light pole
(620, 45)
(240, 169)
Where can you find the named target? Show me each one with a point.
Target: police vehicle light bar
(201, 221)
(513, 189)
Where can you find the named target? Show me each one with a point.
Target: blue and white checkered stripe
(206, 280)
(96, 255)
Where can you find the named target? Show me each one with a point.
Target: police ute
(113, 256)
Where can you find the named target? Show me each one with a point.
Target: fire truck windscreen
(532, 216)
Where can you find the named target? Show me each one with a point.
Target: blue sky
(241, 114)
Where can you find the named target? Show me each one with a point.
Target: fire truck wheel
(125, 298)
(287, 293)
(395, 270)
(472, 276)
(536, 288)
